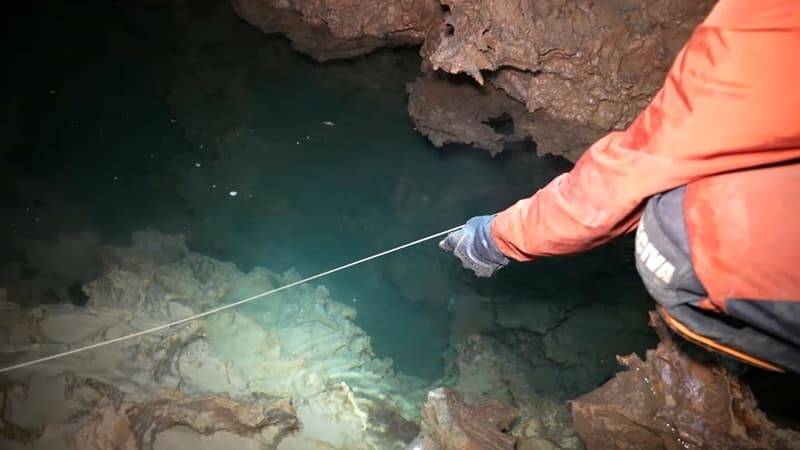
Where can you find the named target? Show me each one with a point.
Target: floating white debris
(297, 142)
(52, 91)
(328, 123)
(201, 146)
(233, 193)
(116, 178)
(213, 186)
(172, 120)
(308, 137)
(197, 164)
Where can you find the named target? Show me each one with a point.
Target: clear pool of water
(187, 120)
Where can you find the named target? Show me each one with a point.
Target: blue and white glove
(475, 247)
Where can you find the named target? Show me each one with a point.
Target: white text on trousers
(652, 258)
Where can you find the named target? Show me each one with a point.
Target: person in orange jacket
(708, 175)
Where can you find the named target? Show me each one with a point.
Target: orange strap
(708, 343)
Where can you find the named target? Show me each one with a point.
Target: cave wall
(564, 73)
(335, 29)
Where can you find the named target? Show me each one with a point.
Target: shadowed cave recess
(163, 158)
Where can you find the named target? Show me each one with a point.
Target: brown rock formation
(447, 111)
(596, 64)
(332, 29)
(459, 111)
(671, 401)
(83, 413)
(582, 69)
(449, 423)
(123, 424)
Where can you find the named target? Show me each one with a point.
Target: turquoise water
(186, 120)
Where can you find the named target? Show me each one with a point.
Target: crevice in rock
(502, 124)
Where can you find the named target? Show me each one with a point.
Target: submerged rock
(487, 369)
(449, 423)
(670, 400)
(97, 416)
(121, 424)
(299, 345)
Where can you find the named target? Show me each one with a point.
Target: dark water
(133, 115)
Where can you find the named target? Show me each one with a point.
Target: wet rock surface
(449, 423)
(679, 397)
(671, 400)
(568, 72)
(97, 415)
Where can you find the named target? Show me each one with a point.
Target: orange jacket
(731, 101)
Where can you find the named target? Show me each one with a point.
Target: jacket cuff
(497, 227)
(486, 245)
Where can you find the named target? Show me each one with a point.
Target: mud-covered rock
(450, 423)
(671, 400)
(333, 29)
(596, 64)
(69, 412)
(133, 425)
(458, 111)
(455, 110)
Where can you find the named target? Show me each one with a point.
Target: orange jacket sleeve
(731, 100)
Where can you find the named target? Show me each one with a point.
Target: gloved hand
(475, 247)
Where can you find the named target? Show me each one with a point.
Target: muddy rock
(596, 64)
(579, 70)
(84, 413)
(564, 72)
(334, 29)
(671, 400)
(455, 110)
(449, 423)
(121, 424)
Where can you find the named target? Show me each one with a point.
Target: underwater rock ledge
(290, 372)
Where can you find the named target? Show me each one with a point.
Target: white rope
(223, 307)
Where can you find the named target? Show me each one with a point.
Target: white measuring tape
(221, 308)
